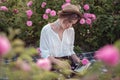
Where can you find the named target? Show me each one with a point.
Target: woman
(57, 38)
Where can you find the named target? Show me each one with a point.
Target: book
(82, 69)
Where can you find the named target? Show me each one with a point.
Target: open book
(83, 68)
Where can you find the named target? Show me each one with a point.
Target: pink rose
(25, 66)
(44, 64)
(5, 45)
(82, 21)
(65, 5)
(3, 0)
(53, 13)
(88, 21)
(109, 54)
(15, 11)
(43, 4)
(93, 16)
(29, 13)
(85, 61)
(29, 3)
(38, 50)
(86, 7)
(48, 10)
(67, 1)
(29, 23)
(45, 16)
(87, 15)
(3, 8)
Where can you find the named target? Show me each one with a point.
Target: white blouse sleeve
(44, 46)
(72, 42)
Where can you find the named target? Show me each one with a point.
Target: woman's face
(65, 23)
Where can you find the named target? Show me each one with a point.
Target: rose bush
(30, 16)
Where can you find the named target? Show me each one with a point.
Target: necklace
(57, 23)
(58, 29)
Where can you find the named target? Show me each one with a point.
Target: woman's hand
(76, 58)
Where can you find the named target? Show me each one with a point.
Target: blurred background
(21, 22)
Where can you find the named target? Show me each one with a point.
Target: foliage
(105, 30)
(88, 38)
(21, 63)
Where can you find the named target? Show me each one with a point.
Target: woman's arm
(44, 44)
(75, 58)
(73, 55)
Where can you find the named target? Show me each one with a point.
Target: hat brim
(72, 11)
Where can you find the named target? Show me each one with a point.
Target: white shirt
(51, 45)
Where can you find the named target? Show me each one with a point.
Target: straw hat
(72, 8)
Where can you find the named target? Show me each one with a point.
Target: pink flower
(43, 4)
(93, 16)
(29, 23)
(65, 5)
(67, 1)
(45, 16)
(53, 13)
(3, 0)
(5, 45)
(85, 61)
(88, 21)
(15, 11)
(48, 10)
(86, 7)
(87, 15)
(29, 3)
(3, 8)
(44, 64)
(109, 54)
(38, 50)
(29, 13)
(82, 21)
(25, 66)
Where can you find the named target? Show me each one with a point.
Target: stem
(0, 65)
(0, 60)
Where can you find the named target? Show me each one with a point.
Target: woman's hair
(68, 15)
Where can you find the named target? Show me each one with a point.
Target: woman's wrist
(78, 60)
(75, 58)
